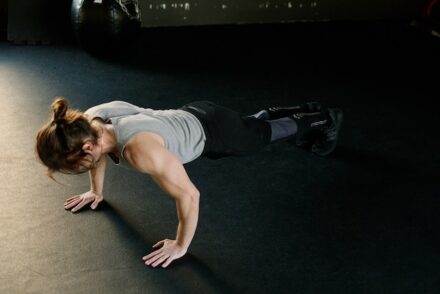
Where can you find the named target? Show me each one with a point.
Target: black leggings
(227, 131)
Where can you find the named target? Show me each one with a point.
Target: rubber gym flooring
(363, 220)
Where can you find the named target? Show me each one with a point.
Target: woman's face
(93, 154)
(87, 163)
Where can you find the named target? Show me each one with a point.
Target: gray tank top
(182, 132)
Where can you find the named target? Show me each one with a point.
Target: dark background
(49, 20)
(364, 220)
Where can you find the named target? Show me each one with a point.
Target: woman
(160, 142)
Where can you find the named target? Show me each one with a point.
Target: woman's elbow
(194, 195)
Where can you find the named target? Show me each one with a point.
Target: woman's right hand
(77, 202)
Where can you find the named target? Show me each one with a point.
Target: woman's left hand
(168, 251)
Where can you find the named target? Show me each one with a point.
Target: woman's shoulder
(112, 109)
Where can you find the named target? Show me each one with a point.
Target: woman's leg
(229, 132)
(280, 112)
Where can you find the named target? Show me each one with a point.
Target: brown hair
(60, 141)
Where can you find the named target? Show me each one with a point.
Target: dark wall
(199, 12)
(39, 20)
(3, 15)
(48, 20)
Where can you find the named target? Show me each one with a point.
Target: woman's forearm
(188, 213)
(97, 176)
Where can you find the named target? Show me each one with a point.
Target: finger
(160, 243)
(160, 260)
(73, 197)
(72, 204)
(167, 263)
(72, 200)
(153, 259)
(95, 203)
(152, 254)
(80, 205)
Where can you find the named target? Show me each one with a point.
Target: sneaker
(310, 125)
(279, 112)
(324, 144)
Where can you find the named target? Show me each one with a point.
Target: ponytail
(59, 108)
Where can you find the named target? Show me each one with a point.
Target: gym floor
(363, 220)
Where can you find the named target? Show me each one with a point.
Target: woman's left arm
(148, 156)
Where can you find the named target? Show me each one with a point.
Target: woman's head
(64, 142)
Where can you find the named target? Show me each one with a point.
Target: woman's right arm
(96, 175)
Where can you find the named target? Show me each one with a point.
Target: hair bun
(59, 108)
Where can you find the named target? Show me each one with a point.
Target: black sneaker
(279, 112)
(310, 126)
(325, 143)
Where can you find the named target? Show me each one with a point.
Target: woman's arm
(96, 175)
(148, 155)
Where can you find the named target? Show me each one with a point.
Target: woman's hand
(79, 201)
(168, 251)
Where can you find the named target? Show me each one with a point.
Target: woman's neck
(108, 137)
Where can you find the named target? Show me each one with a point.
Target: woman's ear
(87, 146)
